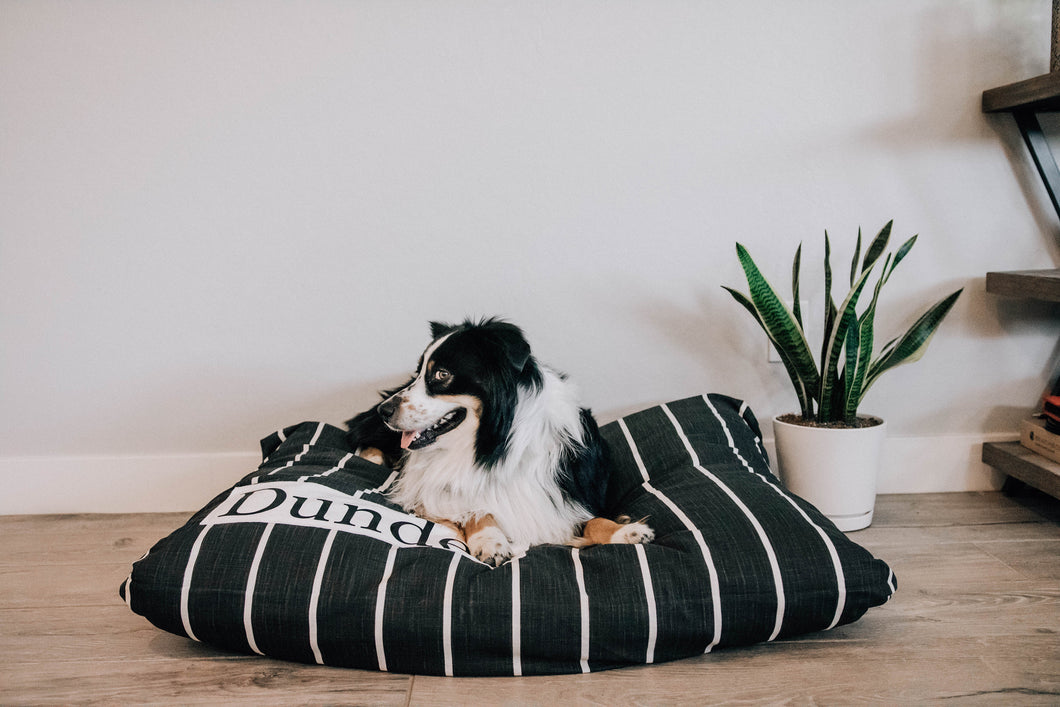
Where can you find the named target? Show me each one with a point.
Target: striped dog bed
(306, 560)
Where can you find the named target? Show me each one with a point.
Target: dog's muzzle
(413, 439)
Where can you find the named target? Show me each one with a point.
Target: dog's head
(465, 388)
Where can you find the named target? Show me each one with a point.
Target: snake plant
(832, 391)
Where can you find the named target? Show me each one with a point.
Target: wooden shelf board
(1013, 459)
(1042, 93)
(1032, 284)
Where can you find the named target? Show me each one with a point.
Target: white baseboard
(938, 464)
(155, 484)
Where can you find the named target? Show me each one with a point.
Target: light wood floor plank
(81, 539)
(63, 634)
(941, 509)
(252, 681)
(881, 537)
(1038, 559)
(60, 585)
(953, 564)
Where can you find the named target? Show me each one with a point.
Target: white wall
(219, 218)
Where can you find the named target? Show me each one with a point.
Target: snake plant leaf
(834, 341)
(747, 304)
(779, 323)
(775, 318)
(888, 268)
(878, 245)
(899, 255)
(796, 266)
(854, 260)
(829, 303)
(802, 390)
(912, 345)
(902, 252)
(859, 356)
(851, 370)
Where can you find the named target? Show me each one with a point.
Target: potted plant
(812, 444)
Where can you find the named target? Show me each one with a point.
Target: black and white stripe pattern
(736, 560)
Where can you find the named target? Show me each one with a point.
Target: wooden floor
(976, 620)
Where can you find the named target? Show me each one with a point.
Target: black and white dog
(493, 444)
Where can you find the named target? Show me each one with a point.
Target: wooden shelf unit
(1025, 99)
(1015, 460)
(1030, 284)
(1040, 94)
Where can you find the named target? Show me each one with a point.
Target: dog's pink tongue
(407, 438)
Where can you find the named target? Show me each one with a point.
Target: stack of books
(1042, 434)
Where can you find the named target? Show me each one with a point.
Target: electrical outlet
(771, 351)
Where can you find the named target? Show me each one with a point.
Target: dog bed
(305, 560)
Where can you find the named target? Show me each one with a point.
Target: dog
(495, 445)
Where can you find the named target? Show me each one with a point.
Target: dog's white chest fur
(521, 492)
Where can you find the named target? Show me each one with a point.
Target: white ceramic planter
(834, 469)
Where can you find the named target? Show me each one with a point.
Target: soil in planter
(860, 422)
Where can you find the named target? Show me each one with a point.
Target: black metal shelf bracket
(1031, 129)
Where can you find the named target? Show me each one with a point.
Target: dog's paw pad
(633, 534)
(490, 546)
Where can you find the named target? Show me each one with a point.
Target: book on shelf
(1051, 411)
(1035, 437)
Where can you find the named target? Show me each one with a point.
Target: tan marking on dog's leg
(604, 531)
(475, 525)
(487, 541)
(452, 525)
(372, 454)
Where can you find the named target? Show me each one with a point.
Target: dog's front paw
(634, 533)
(490, 545)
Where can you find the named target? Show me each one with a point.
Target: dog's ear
(439, 330)
(513, 343)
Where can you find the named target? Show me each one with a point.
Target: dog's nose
(388, 407)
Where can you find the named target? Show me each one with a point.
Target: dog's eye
(441, 375)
